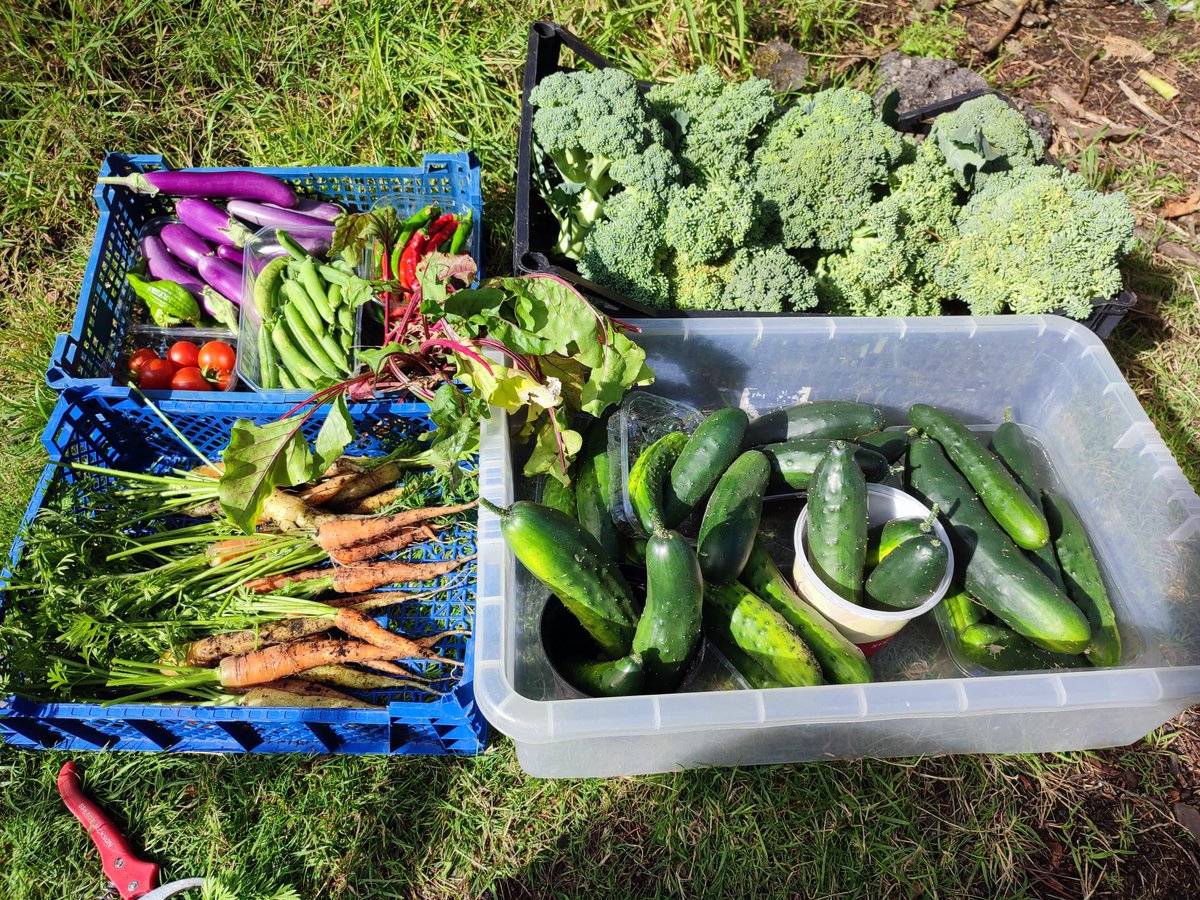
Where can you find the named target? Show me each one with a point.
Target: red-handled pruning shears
(131, 876)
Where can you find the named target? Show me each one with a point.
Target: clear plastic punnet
(1140, 512)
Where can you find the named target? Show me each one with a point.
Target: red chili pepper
(439, 237)
(408, 259)
(441, 222)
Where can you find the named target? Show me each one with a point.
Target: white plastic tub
(1141, 513)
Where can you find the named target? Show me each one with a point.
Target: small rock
(782, 65)
(921, 81)
(1034, 20)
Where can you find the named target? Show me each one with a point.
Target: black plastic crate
(536, 228)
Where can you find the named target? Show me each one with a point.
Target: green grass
(359, 83)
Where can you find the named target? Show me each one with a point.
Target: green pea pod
(333, 276)
(298, 297)
(461, 233)
(334, 295)
(268, 367)
(287, 382)
(312, 283)
(169, 303)
(307, 343)
(267, 284)
(288, 243)
(346, 327)
(298, 370)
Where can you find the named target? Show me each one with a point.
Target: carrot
(379, 599)
(232, 548)
(285, 660)
(402, 539)
(390, 668)
(282, 693)
(356, 579)
(272, 583)
(207, 652)
(375, 502)
(216, 470)
(429, 640)
(355, 679)
(338, 532)
(364, 628)
(304, 687)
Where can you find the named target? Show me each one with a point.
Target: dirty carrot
(285, 660)
(342, 533)
(363, 552)
(355, 679)
(208, 651)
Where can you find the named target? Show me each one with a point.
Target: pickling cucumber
(1010, 506)
(892, 445)
(735, 616)
(565, 557)
(1085, 586)
(833, 419)
(713, 446)
(731, 518)
(960, 610)
(837, 522)
(882, 542)
(841, 661)
(613, 678)
(669, 628)
(909, 575)
(793, 462)
(756, 676)
(647, 476)
(997, 647)
(994, 570)
(1012, 448)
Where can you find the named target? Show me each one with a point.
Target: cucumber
(756, 676)
(841, 661)
(793, 462)
(593, 500)
(892, 445)
(959, 610)
(997, 647)
(995, 572)
(735, 616)
(910, 574)
(646, 480)
(558, 496)
(1012, 448)
(713, 446)
(834, 419)
(1010, 506)
(615, 678)
(883, 541)
(837, 522)
(731, 518)
(565, 557)
(669, 629)
(1083, 581)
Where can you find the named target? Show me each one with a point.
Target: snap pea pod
(315, 288)
(345, 317)
(298, 297)
(288, 243)
(286, 381)
(294, 363)
(308, 343)
(333, 276)
(333, 294)
(268, 368)
(267, 284)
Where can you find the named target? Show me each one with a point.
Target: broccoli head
(821, 166)
(983, 136)
(699, 287)
(768, 279)
(625, 251)
(705, 223)
(587, 122)
(1038, 240)
(715, 122)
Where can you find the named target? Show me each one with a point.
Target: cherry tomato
(190, 379)
(140, 358)
(223, 379)
(216, 356)
(156, 375)
(184, 354)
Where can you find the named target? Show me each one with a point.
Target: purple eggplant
(224, 277)
(165, 267)
(234, 255)
(211, 222)
(233, 184)
(273, 217)
(318, 209)
(313, 244)
(185, 243)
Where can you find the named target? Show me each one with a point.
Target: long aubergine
(165, 267)
(274, 217)
(223, 276)
(1011, 508)
(212, 223)
(185, 243)
(318, 209)
(231, 254)
(1012, 448)
(994, 570)
(566, 558)
(230, 184)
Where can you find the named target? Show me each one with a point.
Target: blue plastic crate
(122, 432)
(86, 358)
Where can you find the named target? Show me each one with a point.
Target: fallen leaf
(1112, 129)
(1189, 818)
(1177, 208)
(1124, 48)
(1171, 250)
(1139, 103)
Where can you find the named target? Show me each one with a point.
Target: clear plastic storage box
(1140, 512)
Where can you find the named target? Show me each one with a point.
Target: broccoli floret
(984, 136)
(715, 122)
(768, 279)
(625, 250)
(587, 121)
(699, 287)
(822, 164)
(705, 223)
(1038, 240)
